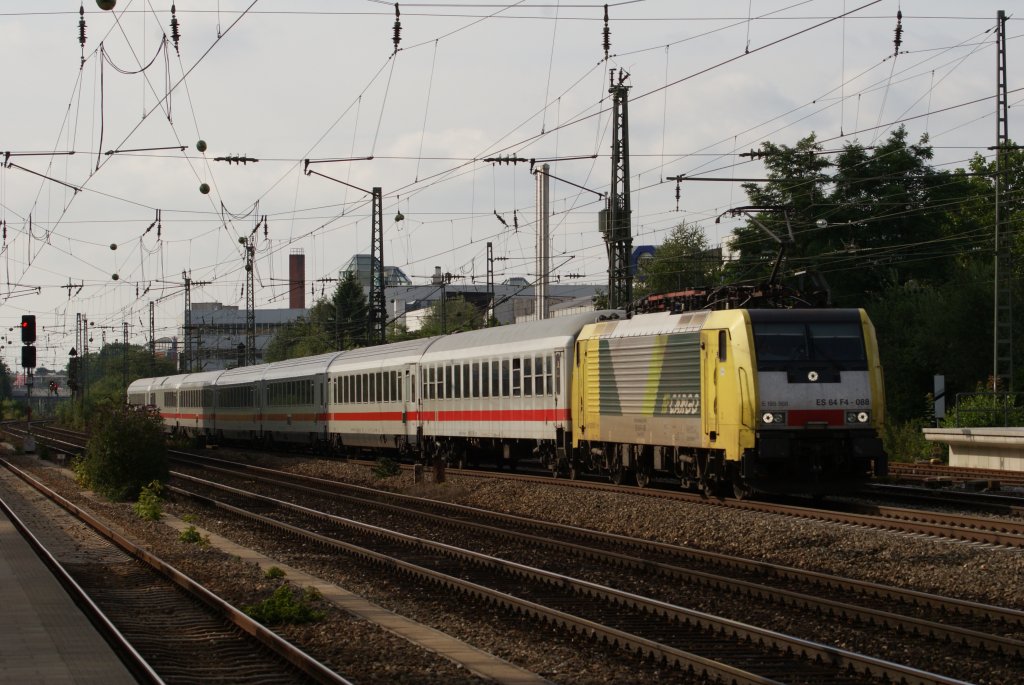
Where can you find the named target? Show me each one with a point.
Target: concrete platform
(982, 448)
(44, 637)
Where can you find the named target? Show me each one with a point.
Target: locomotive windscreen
(834, 337)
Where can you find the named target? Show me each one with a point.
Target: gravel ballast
(975, 572)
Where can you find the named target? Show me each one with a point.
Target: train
(733, 401)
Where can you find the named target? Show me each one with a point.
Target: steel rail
(839, 659)
(289, 652)
(1012, 617)
(133, 661)
(865, 614)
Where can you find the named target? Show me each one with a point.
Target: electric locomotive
(760, 400)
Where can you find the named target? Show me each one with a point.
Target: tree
(458, 315)
(683, 260)
(6, 384)
(340, 323)
(890, 233)
(788, 204)
(304, 337)
(352, 311)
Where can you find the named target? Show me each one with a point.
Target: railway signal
(28, 329)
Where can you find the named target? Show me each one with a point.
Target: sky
(100, 197)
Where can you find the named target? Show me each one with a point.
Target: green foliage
(286, 605)
(386, 468)
(273, 573)
(149, 506)
(985, 409)
(684, 260)
(193, 537)
(323, 329)
(905, 442)
(78, 468)
(909, 243)
(125, 452)
(457, 315)
(12, 410)
(6, 382)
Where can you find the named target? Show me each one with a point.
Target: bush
(273, 573)
(386, 468)
(125, 452)
(905, 442)
(286, 605)
(985, 409)
(149, 506)
(192, 536)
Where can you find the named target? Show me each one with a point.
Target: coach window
(506, 379)
(378, 385)
(517, 377)
(366, 388)
(527, 376)
(474, 379)
(448, 390)
(485, 379)
(428, 389)
(495, 378)
(558, 374)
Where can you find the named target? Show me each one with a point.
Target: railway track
(649, 574)
(966, 527)
(932, 472)
(167, 626)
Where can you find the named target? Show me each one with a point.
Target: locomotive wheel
(574, 470)
(617, 473)
(741, 491)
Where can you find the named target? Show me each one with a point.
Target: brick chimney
(297, 279)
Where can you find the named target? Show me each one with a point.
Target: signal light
(28, 329)
(28, 357)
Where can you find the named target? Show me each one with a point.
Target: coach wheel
(616, 473)
(643, 475)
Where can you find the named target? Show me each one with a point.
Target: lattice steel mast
(616, 227)
(1002, 356)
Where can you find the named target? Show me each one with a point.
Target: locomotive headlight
(773, 417)
(858, 417)
(862, 417)
(767, 417)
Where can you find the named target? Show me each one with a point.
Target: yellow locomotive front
(712, 399)
(820, 401)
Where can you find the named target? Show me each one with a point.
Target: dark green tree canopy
(684, 260)
(339, 323)
(888, 232)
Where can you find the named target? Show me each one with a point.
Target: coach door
(410, 416)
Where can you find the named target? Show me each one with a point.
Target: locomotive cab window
(839, 343)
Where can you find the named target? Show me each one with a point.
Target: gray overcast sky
(287, 80)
